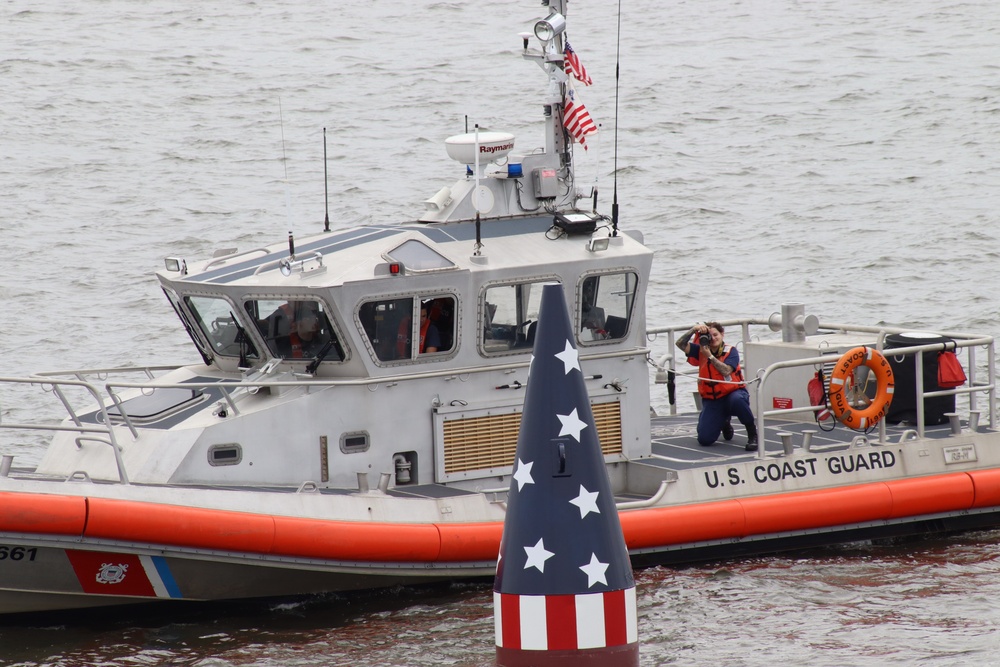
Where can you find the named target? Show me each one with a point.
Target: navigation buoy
(564, 593)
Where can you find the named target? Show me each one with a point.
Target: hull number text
(18, 553)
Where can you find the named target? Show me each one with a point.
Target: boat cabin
(397, 350)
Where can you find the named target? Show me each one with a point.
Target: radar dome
(492, 147)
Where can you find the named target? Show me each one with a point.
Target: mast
(557, 89)
(550, 31)
(546, 179)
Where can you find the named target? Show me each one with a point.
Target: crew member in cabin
(592, 319)
(307, 331)
(430, 337)
(720, 384)
(297, 330)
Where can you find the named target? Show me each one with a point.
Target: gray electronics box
(546, 182)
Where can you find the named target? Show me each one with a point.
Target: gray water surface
(840, 154)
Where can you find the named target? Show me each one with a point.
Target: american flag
(573, 66)
(564, 580)
(576, 118)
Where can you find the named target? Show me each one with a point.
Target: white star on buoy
(523, 474)
(570, 358)
(586, 501)
(595, 570)
(537, 555)
(571, 425)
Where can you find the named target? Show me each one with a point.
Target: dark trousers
(717, 411)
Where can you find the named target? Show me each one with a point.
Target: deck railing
(968, 343)
(110, 410)
(102, 430)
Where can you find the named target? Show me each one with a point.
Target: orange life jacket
(293, 337)
(722, 385)
(403, 336)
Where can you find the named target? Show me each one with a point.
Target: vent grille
(478, 443)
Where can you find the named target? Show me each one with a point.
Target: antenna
(326, 186)
(597, 168)
(476, 200)
(284, 162)
(618, 61)
(284, 158)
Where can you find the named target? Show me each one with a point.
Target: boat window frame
(331, 318)
(486, 320)
(388, 257)
(416, 297)
(579, 324)
(190, 326)
(235, 311)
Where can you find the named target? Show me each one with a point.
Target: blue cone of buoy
(564, 592)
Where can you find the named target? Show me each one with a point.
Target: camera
(704, 340)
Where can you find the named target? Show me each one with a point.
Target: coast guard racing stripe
(103, 573)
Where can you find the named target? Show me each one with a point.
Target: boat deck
(674, 447)
(675, 444)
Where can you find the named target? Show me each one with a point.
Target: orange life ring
(849, 415)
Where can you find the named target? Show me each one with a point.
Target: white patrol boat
(352, 420)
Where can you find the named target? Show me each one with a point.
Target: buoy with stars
(564, 593)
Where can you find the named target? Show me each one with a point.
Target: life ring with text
(842, 379)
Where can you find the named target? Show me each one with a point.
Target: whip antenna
(281, 123)
(618, 61)
(284, 163)
(477, 202)
(326, 187)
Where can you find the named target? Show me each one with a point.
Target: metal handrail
(668, 362)
(916, 351)
(230, 390)
(56, 386)
(221, 259)
(122, 476)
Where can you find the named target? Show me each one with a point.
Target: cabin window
(218, 324)
(509, 315)
(295, 329)
(392, 326)
(605, 308)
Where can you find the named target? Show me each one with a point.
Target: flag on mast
(576, 118)
(573, 66)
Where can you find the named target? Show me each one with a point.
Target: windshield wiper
(320, 356)
(244, 341)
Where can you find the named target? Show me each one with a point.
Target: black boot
(751, 438)
(727, 431)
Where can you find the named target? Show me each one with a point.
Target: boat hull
(54, 578)
(71, 552)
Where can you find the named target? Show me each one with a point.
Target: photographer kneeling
(720, 383)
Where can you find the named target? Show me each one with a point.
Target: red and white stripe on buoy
(565, 622)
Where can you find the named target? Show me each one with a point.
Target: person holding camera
(720, 383)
